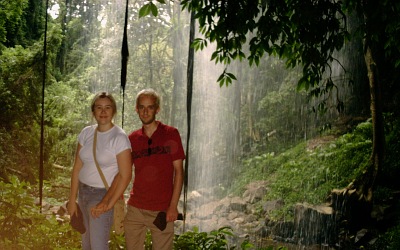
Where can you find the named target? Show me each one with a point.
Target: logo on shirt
(158, 150)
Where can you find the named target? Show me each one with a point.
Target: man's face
(147, 109)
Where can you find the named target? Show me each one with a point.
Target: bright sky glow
(54, 11)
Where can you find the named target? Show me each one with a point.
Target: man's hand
(172, 214)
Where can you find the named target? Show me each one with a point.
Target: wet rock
(315, 224)
(207, 210)
(255, 192)
(273, 205)
(238, 204)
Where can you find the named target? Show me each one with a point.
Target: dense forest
(264, 76)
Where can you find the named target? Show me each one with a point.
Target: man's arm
(172, 211)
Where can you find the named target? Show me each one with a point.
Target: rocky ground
(314, 227)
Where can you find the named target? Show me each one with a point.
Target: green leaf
(154, 9)
(220, 77)
(145, 10)
(232, 76)
(214, 55)
(302, 84)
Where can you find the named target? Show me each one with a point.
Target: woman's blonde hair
(104, 95)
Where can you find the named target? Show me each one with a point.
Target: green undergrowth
(310, 170)
(23, 226)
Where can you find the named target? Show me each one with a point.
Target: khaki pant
(136, 223)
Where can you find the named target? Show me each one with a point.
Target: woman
(113, 154)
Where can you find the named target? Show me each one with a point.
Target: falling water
(215, 126)
(215, 145)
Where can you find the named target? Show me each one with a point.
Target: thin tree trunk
(377, 155)
(190, 70)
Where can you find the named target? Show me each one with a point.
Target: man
(157, 155)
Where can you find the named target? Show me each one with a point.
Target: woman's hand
(71, 207)
(99, 209)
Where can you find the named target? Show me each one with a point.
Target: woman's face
(103, 111)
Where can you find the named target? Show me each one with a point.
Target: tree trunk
(367, 182)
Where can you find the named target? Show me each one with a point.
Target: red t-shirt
(154, 172)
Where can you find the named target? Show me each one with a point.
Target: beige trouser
(136, 223)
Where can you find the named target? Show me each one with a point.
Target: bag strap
(95, 160)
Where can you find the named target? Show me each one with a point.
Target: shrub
(24, 227)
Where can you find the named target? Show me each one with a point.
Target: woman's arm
(74, 182)
(119, 184)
